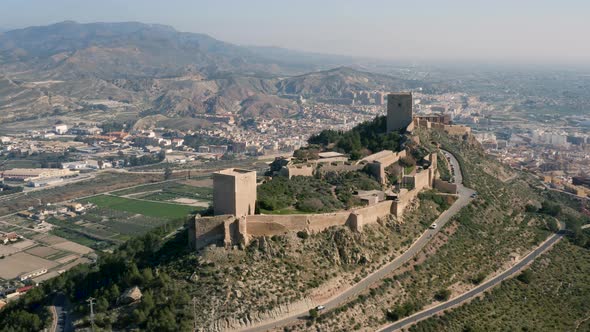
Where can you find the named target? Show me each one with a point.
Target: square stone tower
(234, 192)
(399, 110)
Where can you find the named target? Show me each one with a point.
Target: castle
(234, 221)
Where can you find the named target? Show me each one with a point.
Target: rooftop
(234, 171)
(330, 154)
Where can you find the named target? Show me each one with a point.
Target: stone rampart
(445, 187)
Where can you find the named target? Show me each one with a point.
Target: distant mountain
(112, 50)
(333, 82)
(133, 70)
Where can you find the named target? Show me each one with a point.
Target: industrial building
(32, 174)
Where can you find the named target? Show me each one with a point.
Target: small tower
(399, 111)
(234, 192)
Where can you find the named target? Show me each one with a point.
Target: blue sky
(500, 30)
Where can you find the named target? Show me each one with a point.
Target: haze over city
(503, 31)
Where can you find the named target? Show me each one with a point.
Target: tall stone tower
(399, 110)
(234, 192)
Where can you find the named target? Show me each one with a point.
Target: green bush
(525, 277)
(314, 313)
(302, 235)
(442, 295)
(367, 137)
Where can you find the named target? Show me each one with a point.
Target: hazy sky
(498, 30)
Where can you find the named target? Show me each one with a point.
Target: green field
(164, 186)
(151, 209)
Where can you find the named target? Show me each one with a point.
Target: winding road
(461, 299)
(465, 197)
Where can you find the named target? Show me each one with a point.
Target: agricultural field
(141, 206)
(40, 251)
(103, 182)
(195, 192)
(115, 220)
(123, 214)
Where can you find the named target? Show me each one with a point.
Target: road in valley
(465, 197)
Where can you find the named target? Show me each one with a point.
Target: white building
(60, 129)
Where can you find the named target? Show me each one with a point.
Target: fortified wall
(238, 230)
(378, 162)
(230, 230)
(453, 130)
(235, 191)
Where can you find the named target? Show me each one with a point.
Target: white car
(320, 308)
(433, 226)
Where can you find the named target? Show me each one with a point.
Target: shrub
(314, 313)
(442, 295)
(525, 277)
(549, 208)
(478, 278)
(302, 235)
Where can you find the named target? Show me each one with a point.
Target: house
(9, 237)
(32, 274)
(74, 165)
(75, 207)
(177, 142)
(60, 129)
(25, 214)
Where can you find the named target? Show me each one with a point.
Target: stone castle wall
(209, 230)
(297, 170)
(445, 187)
(231, 230)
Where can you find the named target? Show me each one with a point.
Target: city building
(234, 192)
(399, 111)
(30, 174)
(32, 274)
(60, 129)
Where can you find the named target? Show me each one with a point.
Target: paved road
(457, 301)
(62, 320)
(341, 298)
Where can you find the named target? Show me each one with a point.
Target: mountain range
(132, 70)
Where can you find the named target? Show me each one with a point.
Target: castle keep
(234, 192)
(399, 111)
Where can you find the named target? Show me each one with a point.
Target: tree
(442, 295)
(114, 292)
(525, 277)
(314, 313)
(162, 320)
(167, 173)
(102, 304)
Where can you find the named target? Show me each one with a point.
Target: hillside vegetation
(480, 241)
(364, 139)
(230, 287)
(552, 295)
